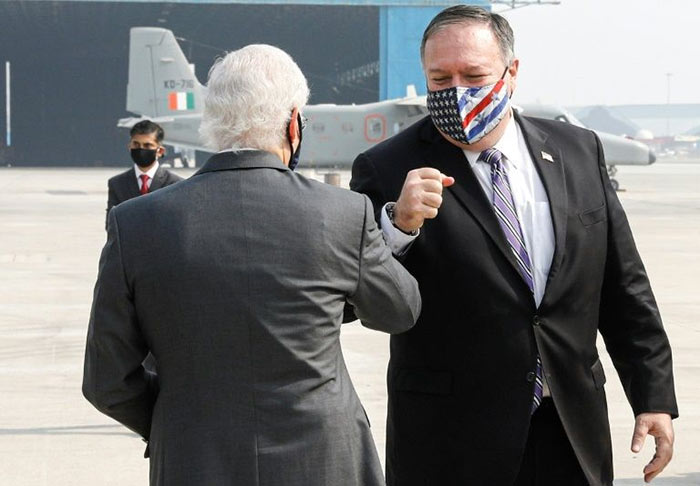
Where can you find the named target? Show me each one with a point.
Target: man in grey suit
(145, 148)
(242, 304)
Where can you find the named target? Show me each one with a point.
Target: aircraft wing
(413, 101)
(618, 150)
(132, 120)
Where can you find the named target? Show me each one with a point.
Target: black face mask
(143, 157)
(294, 157)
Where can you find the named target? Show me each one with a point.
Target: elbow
(93, 396)
(99, 399)
(409, 312)
(408, 318)
(401, 329)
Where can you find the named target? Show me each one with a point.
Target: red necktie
(144, 183)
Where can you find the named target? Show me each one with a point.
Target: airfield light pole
(7, 102)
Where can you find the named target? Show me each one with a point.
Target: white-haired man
(242, 305)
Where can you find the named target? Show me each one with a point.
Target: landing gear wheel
(612, 172)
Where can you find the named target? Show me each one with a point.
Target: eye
(475, 77)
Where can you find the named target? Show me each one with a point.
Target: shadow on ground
(689, 479)
(115, 429)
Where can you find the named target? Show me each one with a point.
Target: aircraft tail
(161, 81)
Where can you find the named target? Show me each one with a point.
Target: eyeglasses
(303, 121)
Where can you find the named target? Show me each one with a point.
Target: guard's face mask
(467, 115)
(294, 156)
(143, 157)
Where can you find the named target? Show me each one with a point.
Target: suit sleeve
(629, 317)
(366, 181)
(387, 297)
(114, 380)
(111, 201)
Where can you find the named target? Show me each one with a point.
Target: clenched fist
(420, 199)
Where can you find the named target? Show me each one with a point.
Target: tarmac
(51, 233)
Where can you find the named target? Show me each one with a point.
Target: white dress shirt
(151, 174)
(530, 197)
(234, 150)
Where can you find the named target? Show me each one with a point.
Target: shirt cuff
(397, 240)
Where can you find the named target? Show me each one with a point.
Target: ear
(294, 128)
(513, 75)
(160, 151)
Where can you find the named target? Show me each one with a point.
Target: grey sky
(608, 51)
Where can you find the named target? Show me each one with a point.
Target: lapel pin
(547, 157)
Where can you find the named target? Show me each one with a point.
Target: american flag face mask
(468, 114)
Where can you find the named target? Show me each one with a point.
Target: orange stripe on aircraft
(172, 101)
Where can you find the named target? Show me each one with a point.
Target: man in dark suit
(531, 255)
(146, 147)
(243, 302)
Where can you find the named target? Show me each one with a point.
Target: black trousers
(549, 459)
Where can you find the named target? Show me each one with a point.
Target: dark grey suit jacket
(124, 186)
(242, 307)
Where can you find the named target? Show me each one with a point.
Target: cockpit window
(375, 128)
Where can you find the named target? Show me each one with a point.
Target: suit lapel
(158, 180)
(550, 166)
(450, 160)
(132, 184)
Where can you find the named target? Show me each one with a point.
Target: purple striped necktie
(504, 207)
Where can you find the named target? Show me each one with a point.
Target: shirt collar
(508, 145)
(151, 172)
(234, 150)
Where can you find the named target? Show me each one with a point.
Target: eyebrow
(439, 72)
(475, 68)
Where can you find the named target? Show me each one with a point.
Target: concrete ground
(51, 233)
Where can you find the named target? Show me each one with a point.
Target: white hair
(250, 97)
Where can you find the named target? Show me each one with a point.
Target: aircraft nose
(652, 157)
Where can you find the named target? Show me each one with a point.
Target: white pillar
(7, 102)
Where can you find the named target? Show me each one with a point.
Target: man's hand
(658, 425)
(420, 199)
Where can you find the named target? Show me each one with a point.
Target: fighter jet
(163, 87)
